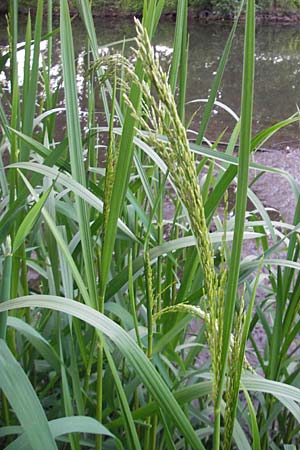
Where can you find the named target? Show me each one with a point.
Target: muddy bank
(275, 190)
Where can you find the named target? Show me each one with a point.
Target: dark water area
(277, 84)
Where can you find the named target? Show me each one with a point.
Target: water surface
(277, 83)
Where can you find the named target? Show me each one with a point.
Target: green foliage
(225, 7)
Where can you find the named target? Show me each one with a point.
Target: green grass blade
(15, 109)
(177, 46)
(262, 212)
(78, 424)
(267, 133)
(67, 181)
(254, 426)
(277, 337)
(127, 346)
(27, 58)
(131, 434)
(123, 165)
(66, 274)
(74, 369)
(66, 394)
(183, 73)
(36, 340)
(20, 394)
(29, 221)
(50, 158)
(230, 173)
(182, 395)
(241, 200)
(30, 100)
(5, 285)
(213, 154)
(75, 147)
(67, 425)
(272, 261)
(253, 382)
(86, 14)
(120, 183)
(243, 169)
(63, 246)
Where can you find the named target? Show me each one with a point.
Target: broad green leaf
(259, 384)
(24, 401)
(67, 425)
(132, 353)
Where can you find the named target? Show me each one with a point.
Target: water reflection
(277, 64)
(4, 77)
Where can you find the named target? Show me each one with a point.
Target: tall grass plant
(137, 334)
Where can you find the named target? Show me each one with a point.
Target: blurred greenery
(223, 7)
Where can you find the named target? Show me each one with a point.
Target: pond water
(277, 84)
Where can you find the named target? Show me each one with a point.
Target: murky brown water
(277, 85)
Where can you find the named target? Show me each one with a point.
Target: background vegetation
(223, 7)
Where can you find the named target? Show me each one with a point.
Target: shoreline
(205, 16)
(194, 14)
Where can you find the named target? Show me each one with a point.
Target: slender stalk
(161, 181)
(150, 305)
(15, 99)
(6, 412)
(109, 180)
(241, 200)
(99, 390)
(150, 302)
(50, 39)
(5, 293)
(15, 117)
(5, 285)
(132, 301)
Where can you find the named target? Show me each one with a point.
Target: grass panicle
(162, 117)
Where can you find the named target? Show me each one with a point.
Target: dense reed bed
(140, 331)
